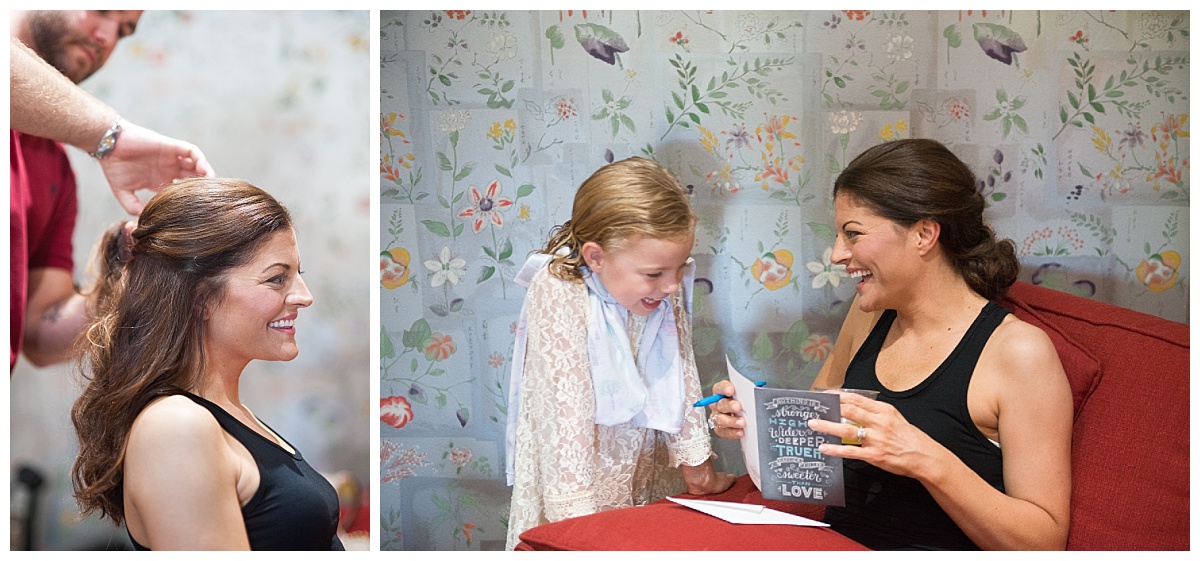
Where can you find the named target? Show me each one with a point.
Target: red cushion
(667, 526)
(1130, 446)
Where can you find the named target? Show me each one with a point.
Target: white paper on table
(741, 513)
(743, 390)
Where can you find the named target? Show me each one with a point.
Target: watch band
(108, 141)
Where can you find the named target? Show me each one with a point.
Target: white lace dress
(565, 464)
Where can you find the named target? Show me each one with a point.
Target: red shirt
(41, 220)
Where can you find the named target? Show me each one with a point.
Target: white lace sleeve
(692, 445)
(556, 434)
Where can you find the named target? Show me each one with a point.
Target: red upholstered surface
(666, 526)
(1130, 489)
(1130, 451)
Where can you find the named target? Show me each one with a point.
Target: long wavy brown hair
(146, 339)
(621, 201)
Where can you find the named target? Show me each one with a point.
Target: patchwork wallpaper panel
(1076, 123)
(282, 100)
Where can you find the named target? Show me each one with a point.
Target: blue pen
(718, 397)
(709, 400)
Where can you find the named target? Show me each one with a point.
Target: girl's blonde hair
(622, 201)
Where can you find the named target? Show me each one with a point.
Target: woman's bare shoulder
(171, 421)
(1023, 348)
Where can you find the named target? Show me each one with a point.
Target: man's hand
(144, 159)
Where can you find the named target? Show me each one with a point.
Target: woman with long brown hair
(207, 280)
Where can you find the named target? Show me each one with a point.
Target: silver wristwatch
(108, 142)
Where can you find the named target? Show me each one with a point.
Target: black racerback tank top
(888, 511)
(295, 508)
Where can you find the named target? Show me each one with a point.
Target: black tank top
(295, 508)
(888, 511)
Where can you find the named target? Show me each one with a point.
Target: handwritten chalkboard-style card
(791, 465)
(782, 454)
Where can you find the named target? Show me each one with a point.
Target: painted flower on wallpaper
(496, 360)
(398, 464)
(999, 42)
(458, 14)
(1079, 38)
(1115, 182)
(772, 171)
(894, 131)
(395, 410)
(500, 131)
(775, 127)
(749, 25)
(679, 39)
(460, 457)
(739, 137)
(392, 172)
(816, 348)
(1159, 271)
(958, 108)
(1050, 242)
(856, 15)
(1170, 128)
(1152, 24)
(453, 119)
(1132, 137)
(614, 111)
(446, 268)
(487, 206)
(565, 108)
(387, 124)
(393, 267)
(466, 530)
(1165, 168)
(503, 45)
(844, 122)
(899, 47)
(439, 347)
(826, 271)
(600, 42)
(774, 269)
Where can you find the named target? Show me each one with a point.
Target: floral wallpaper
(281, 99)
(1076, 123)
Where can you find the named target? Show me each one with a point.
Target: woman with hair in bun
(207, 280)
(969, 443)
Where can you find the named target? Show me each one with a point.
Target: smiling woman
(207, 280)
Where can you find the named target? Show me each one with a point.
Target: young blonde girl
(603, 368)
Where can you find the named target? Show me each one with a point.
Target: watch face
(108, 142)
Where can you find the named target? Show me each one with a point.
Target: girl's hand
(706, 480)
(725, 419)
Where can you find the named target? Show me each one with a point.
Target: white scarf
(648, 392)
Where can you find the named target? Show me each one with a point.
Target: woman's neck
(220, 380)
(940, 303)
